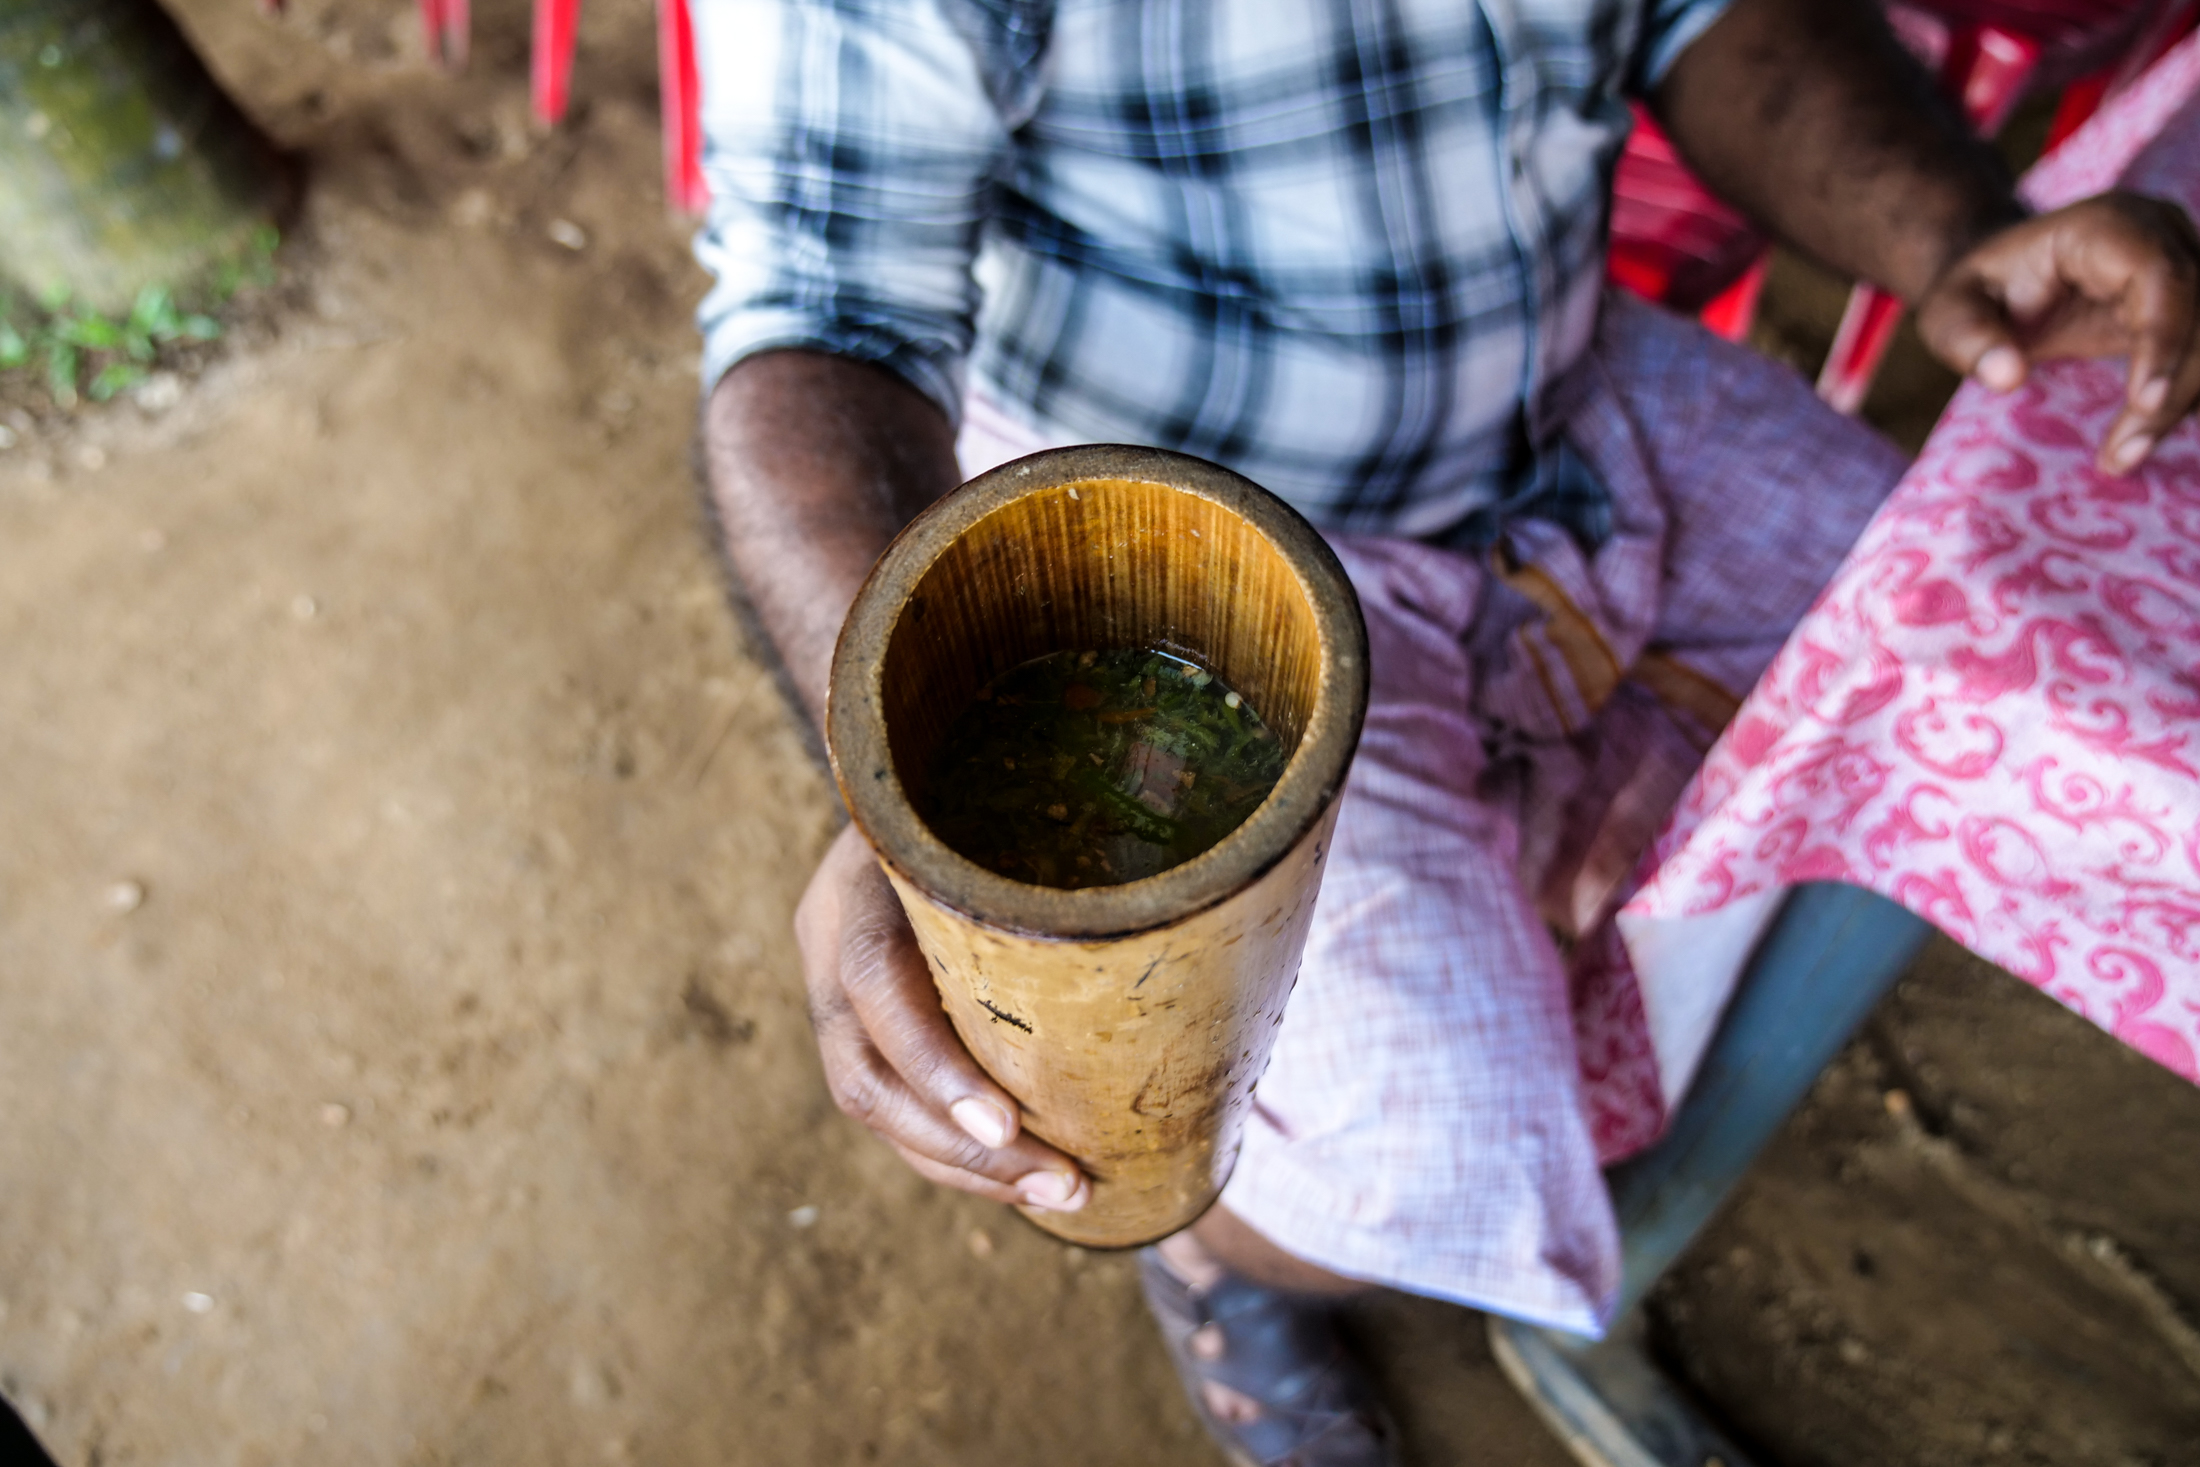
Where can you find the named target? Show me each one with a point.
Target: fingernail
(1055, 1191)
(983, 1120)
(2001, 368)
(2152, 396)
(2133, 449)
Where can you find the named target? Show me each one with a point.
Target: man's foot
(1606, 1399)
(1267, 1372)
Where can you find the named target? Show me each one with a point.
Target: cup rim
(872, 791)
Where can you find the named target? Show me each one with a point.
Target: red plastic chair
(550, 78)
(679, 88)
(557, 22)
(1675, 243)
(682, 91)
(447, 25)
(1672, 240)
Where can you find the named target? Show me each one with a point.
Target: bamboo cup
(1130, 1021)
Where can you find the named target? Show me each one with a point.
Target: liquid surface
(1087, 769)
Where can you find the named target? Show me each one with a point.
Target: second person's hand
(2117, 275)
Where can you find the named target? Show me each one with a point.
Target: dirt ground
(402, 1043)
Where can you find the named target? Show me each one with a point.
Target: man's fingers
(1964, 325)
(892, 993)
(891, 990)
(867, 1089)
(1043, 1190)
(892, 1060)
(869, 1092)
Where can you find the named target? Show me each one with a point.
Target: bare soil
(403, 1051)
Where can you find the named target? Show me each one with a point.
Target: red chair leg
(680, 89)
(2085, 95)
(556, 23)
(1866, 329)
(1986, 68)
(1733, 310)
(444, 24)
(458, 24)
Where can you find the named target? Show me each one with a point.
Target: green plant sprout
(66, 340)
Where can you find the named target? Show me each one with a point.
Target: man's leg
(1763, 487)
(1224, 1243)
(1420, 1123)
(1252, 1331)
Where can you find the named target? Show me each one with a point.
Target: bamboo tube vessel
(1130, 1021)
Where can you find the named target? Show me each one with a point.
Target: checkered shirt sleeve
(1667, 28)
(1342, 246)
(850, 149)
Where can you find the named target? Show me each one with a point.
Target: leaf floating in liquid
(1088, 768)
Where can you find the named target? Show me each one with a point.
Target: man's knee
(1222, 1241)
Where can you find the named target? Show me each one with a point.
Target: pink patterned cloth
(1992, 715)
(2094, 157)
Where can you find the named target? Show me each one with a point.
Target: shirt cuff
(1665, 44)
(931, 370)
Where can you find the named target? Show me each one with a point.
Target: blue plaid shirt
(1342, 246)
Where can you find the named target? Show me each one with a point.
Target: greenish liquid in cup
(1092, 768)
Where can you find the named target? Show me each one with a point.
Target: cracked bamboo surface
(1130, 1021)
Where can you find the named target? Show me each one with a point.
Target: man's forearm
(1809, 115)
(815, 463)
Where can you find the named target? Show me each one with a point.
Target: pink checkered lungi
(1466, 1044)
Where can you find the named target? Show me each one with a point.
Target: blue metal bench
(1815, 976)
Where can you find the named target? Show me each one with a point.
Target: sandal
(1267, 1373)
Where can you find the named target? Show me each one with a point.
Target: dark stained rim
(855, 728)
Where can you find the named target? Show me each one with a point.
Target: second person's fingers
(2152, 409)
(1965, 326)
(2154, 265)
